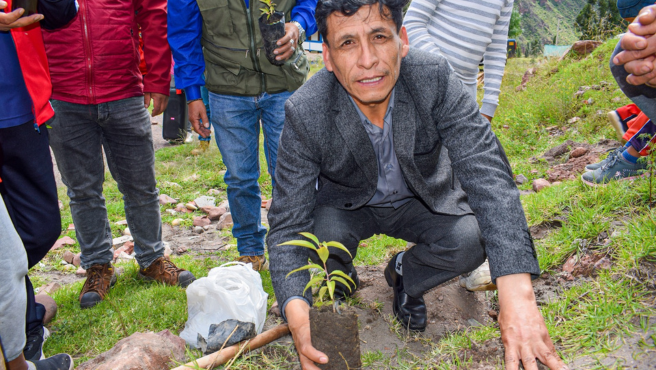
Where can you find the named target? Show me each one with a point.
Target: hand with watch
(294, 34)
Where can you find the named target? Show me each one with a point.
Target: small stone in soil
(67, 240)
(176, 222)
(165, 199)
(223, 333)
(578, 152)
(201, 221)
(121, 223)
(127, 231)
(520, 179)
(539, 184)
(214, 192)
(50, 288)
(225, 221)
(198, 229)
(81, 272)
(191, 206)
(205, 201)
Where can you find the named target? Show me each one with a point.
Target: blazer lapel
(403, 125)
(354, 134)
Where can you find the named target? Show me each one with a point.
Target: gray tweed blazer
(325, 158)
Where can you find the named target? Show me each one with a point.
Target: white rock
(176, 222)
(198, 230)
(173, 212)
(127, 231)
(122, 240)
(205, 201)
(122, 222)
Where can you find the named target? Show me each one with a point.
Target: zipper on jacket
(251, 37)
(87, 50)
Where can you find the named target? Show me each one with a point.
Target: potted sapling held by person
(334, 328)
(272, 28)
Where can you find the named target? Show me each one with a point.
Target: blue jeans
(122, 128)
(236, 121)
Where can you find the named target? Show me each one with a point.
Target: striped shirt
(465, 32)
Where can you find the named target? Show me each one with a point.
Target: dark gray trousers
(446, 246)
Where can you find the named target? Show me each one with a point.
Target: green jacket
(235, 60)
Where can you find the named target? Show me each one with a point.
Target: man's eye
(380, 37)
(347, 43)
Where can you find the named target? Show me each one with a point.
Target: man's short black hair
(391, 9)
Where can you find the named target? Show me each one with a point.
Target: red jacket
(34, 65)
(95, 58)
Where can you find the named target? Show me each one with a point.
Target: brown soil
(336, 335)
(566, 166)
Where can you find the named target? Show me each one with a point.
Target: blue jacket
(185, 27)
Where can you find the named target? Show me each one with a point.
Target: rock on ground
(585, 47)
(49, 304)
(149, 350)
(539, 184)
(226, 334)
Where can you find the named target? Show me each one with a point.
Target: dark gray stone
(219, 333)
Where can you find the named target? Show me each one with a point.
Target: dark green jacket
(235, 60)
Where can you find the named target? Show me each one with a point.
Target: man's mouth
(371, 80)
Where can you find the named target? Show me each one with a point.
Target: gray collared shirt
(391, 191)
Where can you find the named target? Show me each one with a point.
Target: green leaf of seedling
(311, 237)
(323, 254)
(300, 243)
(315, 280)
(342, 274)
(264, 10)
(339, 279)
(306, 267)
(339, 246)
(331, 289)
(322, 292)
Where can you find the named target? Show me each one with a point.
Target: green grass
(588, 318)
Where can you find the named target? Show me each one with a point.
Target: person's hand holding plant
(9, 21)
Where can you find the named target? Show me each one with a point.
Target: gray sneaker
(617, 168)
(611, 155)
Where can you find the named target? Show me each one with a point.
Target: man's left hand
(523, 331)
(488, 118)
(160, 102)
(288, 43)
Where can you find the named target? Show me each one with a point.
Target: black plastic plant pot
(336, 335)
(272, 30)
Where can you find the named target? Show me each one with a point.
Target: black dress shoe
(411, 312)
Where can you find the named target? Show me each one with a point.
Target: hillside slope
(545, 18)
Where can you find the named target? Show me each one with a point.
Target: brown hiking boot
(259, 263)
(164, 271)
(99, 279)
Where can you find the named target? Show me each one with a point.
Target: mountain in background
(542, 19)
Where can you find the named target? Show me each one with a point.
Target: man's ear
(405, 43)
(326, 56)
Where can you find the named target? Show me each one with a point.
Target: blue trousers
(236, 121)
(29, 191)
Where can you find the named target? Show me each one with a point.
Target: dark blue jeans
(122, 128)
(236, 121)
(30, 193)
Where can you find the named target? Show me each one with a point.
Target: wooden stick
(224, 355)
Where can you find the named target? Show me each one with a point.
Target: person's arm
(494, 62)
(416, 23)
(185, 31)
(303, 13)
(639, 46)
(477, 161)
(57, 13)
(151, 17)
(297, 170)
(11, 20)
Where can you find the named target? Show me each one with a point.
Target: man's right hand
(12, 20)
(198, 118)
(297, 312)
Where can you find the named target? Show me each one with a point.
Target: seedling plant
(324, 279)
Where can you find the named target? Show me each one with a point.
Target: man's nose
(368, 57)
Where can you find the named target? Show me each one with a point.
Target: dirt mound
(569, 159)
(450, 308)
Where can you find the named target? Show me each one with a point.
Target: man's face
(364, 51)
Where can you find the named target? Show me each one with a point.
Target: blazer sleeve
(481, 166)
(294, 197)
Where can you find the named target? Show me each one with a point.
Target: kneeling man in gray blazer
(386, 139)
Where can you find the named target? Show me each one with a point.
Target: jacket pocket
(296, 69)
(216, 17)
